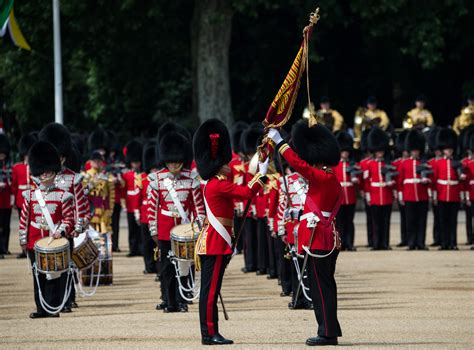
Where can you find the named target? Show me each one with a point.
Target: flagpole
(58, 79)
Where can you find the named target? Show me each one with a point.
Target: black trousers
(250, 244)
(116, 226)
(403, 225)
(436, 226)
(134, 235)
(295, 281)
(416, 217)
(272, 255)
(469, 237)
(448, 219)
(370, 225)
(63, 279)
(212, 272)
(168, 281)
(285, 268)
(262, 245)
(323, 292)
(345, 225)
(381, 225)
(148, 249)
(5, 216)
(50, 289)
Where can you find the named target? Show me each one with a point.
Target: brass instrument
(465, 119)
(418, 118)
(366, 118)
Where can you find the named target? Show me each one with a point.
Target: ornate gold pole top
(314, 16)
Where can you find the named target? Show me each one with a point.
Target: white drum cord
(294, 257)
(192, 288)
(91, 290)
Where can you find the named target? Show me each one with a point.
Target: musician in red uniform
(316, 152)
(465, 152)
(45, 164)
(348, 174)
(413, 182)
(437, 154)
(21, 180)
(469, 182)
(212, 152)
(380, 186)
(175, 198)
(447, 189)
(6, 197)
(367, 158)
(400, 146)
(133, 182)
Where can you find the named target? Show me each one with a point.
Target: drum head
(54, 245)
(92, 233)
(184, 232)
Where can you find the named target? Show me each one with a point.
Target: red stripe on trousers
(212, 295)
(322, 298)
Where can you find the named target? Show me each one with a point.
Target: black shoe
(182, 308)
(217, 339)
(306, 305)
(157, 278)
(272, 277)
(161, 306)
(401, 244)
(261, 272)
(116, 250)
(66, 310)
(285, 294)
(411, 248)
(74, 305)
(454, 248)
(443, 248)
(352, 249)
(9, 253)
(423, 248)
(130, 255)
(21, 256)
(472, 248)
(170, 309)
(321, 341)
(435, 244)
(1, 256)
(42, 315)
(245, 270)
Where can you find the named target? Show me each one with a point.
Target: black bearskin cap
(58, 135)
(112, 138)
(43, 157)
(133, 151)
(447, 138)
(26, 141)
(175, 148)
(363, 141)
(78, 142)
(315, 145)
(237, 130)
(415, 140)
(150, 157)
(471, 143)
(5, 145)
(74, 160)
(211, 154)
(345, 141)
(98, 140)
(172, 127)
(465, 138)
(400, 141)
(251, 139)
(432, 138)
(377, 140)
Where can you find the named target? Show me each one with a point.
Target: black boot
(217, 339)
(321, 341)
(42, 315)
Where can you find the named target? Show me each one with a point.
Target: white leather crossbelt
(378, 184)
(310, 215)
(346, 184)
(412, 181)
(134, 192)
(448, 182)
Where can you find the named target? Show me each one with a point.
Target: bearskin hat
(447, 138)
(98, 140)
(432, 138)
(58, 135)
(400, 141)
(212, 148)
(250, 140)
(26, 141)
(315, 145)
(237, 130)
(150, 157)
(133, 151)
(415, 140)
(78, 142)
(74, 160)
(5, 145)
(377, 140)
(471, 143)
(112, 138)
(345, 141)
(172, 127)
(363, 141)
(175, 148)
(43, 157)
(465, 138)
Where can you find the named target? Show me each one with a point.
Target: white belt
(311, 215)
(347, 184)
(471, 182)
(448, 182)
(412, 181)
(39, 226)
(134, 192)
(378, 184)
(24, 187)
(173, 214)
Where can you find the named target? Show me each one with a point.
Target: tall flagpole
(58, 78)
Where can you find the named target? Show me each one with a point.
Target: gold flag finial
(314, 16)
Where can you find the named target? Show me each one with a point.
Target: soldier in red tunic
(45, 164)
(400, 146)
(469, 182)
(212, 152)
(133, 182)
(367, 158)
(349, 174)
(175, 198)
(316, 152)
(413, 184)
(6, 197)
(21, 180)
(447, 189)
(465, 152)
(437, 155)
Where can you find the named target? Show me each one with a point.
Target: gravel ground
(394, 299)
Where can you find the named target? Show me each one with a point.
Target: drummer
(174, 198)
(44, 165)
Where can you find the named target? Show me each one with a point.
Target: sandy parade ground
(387, 299)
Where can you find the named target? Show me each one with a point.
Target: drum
(183, 241)
(103, 242)
(85, 252)
(52, 257)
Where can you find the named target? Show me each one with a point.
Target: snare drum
(85, 252)
(183, 241)
(103, 242)
(52, 257)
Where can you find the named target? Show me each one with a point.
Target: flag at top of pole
(9, 24)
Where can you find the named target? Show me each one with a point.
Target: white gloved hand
(275, 136)
(263, 167)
